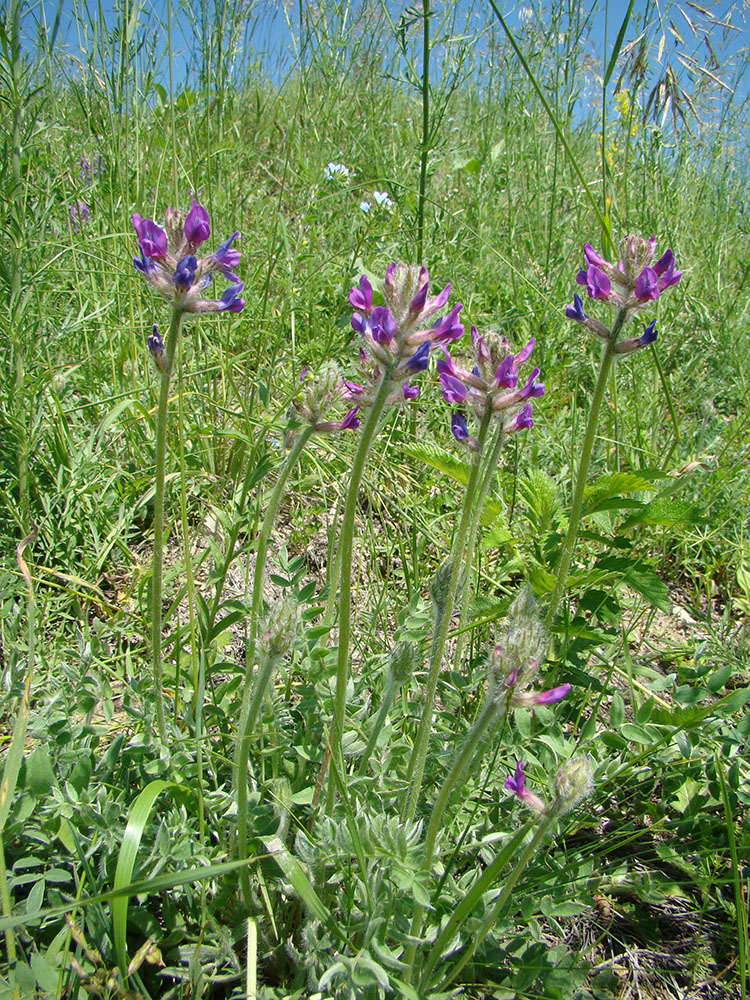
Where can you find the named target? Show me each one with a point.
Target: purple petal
(592, 257)
(420, 359)
(576, 310)
(230, 301)
(523, 356)
(553, 695)
(597, 283)
(516, 783)
(152, 239)
(410, 391)
(197, 226)
(506, 375)
(453, 390)
(361, 298)
(184, 274)
(459, 426)
(448, 329)
(382, 325)
(649, 334)
(647, 285)
(351, 421)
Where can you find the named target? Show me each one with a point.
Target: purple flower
(228, 257)
(420, 360)
(527, 699)
(382, 325)
(351, 421)
(576, 310)
(649, 334)
(361, 298)
(454, 391)
(665, 269)
(596, 281)
(532, 387)
(459, 426)
(592, 257)
(516, 783)
(409, 391)
(419, 303)
(506, 375)
(156, 349)
(152, 239)
(184, 274)
(230, 301)
(647, 285)
(197, 227)
(523, 420)
(448, 329)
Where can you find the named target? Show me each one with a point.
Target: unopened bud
(573, 782)
(440, 585)
(281, 627)
(402, 661)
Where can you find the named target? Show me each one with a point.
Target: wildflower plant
(167, 262)
(627, 287)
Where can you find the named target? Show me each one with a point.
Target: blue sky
(268, 34)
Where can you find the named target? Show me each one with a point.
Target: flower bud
(573, 782)
(440, 586)
(402, 661)
(281, 629)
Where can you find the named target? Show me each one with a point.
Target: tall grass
(483, 140)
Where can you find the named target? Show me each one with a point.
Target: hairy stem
(158, 556)
(583, 468)
(443, 615)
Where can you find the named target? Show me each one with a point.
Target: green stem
(346, 545)
(391, 686)
(300, 440)
(489, 474)
(158, 556)
(583, 468)
(491, 711)
(476, 939)
(443, 616)
(425, 143)
(265, 671)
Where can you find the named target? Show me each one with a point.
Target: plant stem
(425, 143)
(583, 468)
(346, 544)
(158, 556)
(476, 939)
(489, 473)
(491, 711)
(242, 751)
(391, 686)
(300, 440)
(443, 616)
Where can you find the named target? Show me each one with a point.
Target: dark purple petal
(523, 355)
(459, 426)
(647, 285)
(230, 300)
(523, 420)
(649, 334)
(410, 391)
(576, 310)
(197, 226)
(664, 262)
(142, 263)
(480, 348)
(184, 274)
(359, 323)
(669, 277)
(351, 390)
(152, 239)
(361, 298)
(420, 360)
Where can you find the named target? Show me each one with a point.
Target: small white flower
(382, 199)
(365, 206)
(334, 170)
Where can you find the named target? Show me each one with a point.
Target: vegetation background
(492, 163)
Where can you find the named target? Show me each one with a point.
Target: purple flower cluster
(398, 335)
(491, 384)
(635, 281)
(79, 213)
(168, 261)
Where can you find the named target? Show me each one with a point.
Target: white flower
(382, 199)
(334, 170)
(365, 206)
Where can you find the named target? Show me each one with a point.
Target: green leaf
(45, 975)
(666, 511)
(440, 459)
(618, 44)
(40, 777)
(138, 818)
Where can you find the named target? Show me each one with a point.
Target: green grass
(644, 884)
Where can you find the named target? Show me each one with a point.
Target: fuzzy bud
(281, 629)
(402, 661)
(440, 586)
(573, 782)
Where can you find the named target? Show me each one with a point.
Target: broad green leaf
(40, 776)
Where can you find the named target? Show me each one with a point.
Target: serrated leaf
(438, 458)
(614, 483)
(666, 511)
